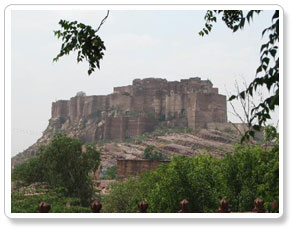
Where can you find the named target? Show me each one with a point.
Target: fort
(135, 109)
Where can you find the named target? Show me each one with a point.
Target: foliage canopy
(62, 164)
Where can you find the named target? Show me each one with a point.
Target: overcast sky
(139, 44)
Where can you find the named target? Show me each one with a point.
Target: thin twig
(103, 20)
(233, 108)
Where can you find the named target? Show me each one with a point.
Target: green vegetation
(267, 73)
(60, 203)
(110, 173)
(83, 39)
(161, 117)
(62, 164)
(150, 154)
(80, 94)
(249, 173)
(270, 134)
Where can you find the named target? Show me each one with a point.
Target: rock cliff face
(135, 109)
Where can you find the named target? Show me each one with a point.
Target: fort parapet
(138, 108)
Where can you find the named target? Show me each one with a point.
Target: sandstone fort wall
(134, 109)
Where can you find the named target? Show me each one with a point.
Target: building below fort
(128, 168)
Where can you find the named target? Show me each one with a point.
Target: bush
(270, 134)
(28, 172)
(153, 156)
(110, 173)
(80, 94)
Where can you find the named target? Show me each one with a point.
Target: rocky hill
(169, 140)
(124, 120)
(204, 141)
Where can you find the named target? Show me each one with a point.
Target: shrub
(110, 173)
(270, 134)
(153, 156)
(80, 94)
(29, 172)
(161, 117)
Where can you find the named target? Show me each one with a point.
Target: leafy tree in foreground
(267, 74)
(62, 164)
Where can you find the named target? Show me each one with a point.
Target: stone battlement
(134, 109)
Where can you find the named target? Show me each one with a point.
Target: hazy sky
(139, 44)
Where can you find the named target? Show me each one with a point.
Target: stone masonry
(135, 109)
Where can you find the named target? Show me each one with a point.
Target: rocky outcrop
(203, 141)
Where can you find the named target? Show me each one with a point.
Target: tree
(267, 74)
(244, 112)
(80, 94)
(62, 164)
(67, 166)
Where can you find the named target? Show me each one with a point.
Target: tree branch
(103, 21)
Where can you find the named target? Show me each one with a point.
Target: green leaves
(210, 18)
(267, 73)
(232, 98)
(150, 154)
(203, 180)
(82, 38)
(62, 164)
